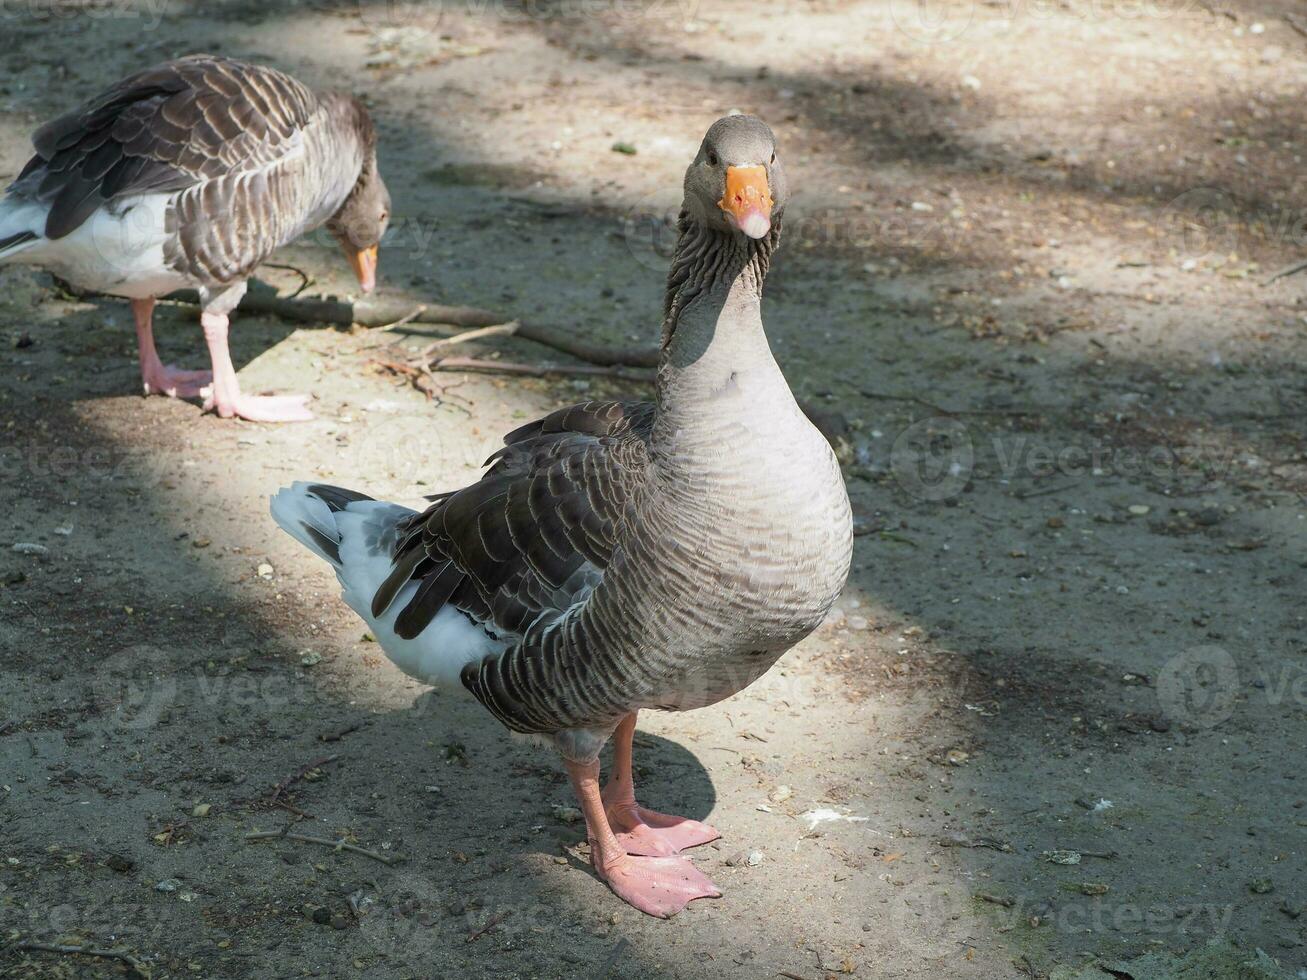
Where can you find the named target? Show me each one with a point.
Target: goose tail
(358, 537)
(351, 531)
(21, 227)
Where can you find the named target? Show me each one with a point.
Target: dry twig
(335, 845)
(112, 954)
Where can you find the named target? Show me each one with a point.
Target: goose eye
(773, 156)
(712, 159)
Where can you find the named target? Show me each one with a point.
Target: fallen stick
(1283, 273)
(387, 314)
(538, 370)
(110, 954)
(335, 845)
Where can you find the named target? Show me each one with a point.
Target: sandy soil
(1024, 263)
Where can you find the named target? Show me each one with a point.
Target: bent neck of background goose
(712, 323)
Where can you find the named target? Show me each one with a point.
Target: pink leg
(158, 378)
(226, 398)
(659, 886)
(643, 831)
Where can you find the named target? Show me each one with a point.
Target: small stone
(1261, 886)
(567, 814)
(1062, 857)
(626, 149)
(265, 570)
(1093, 888)
(321, 915)
(202, 810)
(30, 548)
(755, 858)
(310, 658)
(339, 921)
(201, 543)
(738, 860)
(1056, 522)
(64, 530)
(922, 206)
(168, 885)
(956, 757)
(780, 794)
(116, 862)
(1139, 510)
(858, 622)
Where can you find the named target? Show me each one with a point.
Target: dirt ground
(1060, 712)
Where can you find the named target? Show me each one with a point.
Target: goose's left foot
(641, 831)
(659, 886)
(225, 396)
(158, 378)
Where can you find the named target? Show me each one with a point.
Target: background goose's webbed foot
(158, 378)
(658, 886)
(641, 831)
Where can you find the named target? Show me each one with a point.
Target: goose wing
(519, 547)
(164, 129)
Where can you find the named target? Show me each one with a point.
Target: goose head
(736, 183)
(362, 219)
(360, 223)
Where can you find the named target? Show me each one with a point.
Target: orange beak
(747, 201)
(364, 263)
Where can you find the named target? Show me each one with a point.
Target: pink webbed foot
(164, 379)
(262, 408)
(658, 886)
(648, 832)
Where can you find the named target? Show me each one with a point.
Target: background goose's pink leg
(226, 398)
(660, 886)
(158, 378)
(642, 831)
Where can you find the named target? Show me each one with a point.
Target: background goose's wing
(164, 129)
(533, 536)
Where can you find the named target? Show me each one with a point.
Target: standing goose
(619, 556)
(190, 174)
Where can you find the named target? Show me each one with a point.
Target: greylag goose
(190, 174)
(621, 556)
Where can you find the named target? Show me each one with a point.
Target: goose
(620, 556)
(190, 174)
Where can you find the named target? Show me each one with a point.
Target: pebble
(311, 658)
(755, 858)
(202, 810)
(1139, 510)
(567, 814)
(738, 859)
(265, 570)
(1261, 886)
(858, 622)
(168, 885)
(29, 548)
(781, 793)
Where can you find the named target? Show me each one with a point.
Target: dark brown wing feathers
(163, 129)
(516, 547)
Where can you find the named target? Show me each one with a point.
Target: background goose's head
(736, 183)
(362, 220)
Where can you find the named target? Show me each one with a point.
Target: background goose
(623, 556)
(190, 174)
